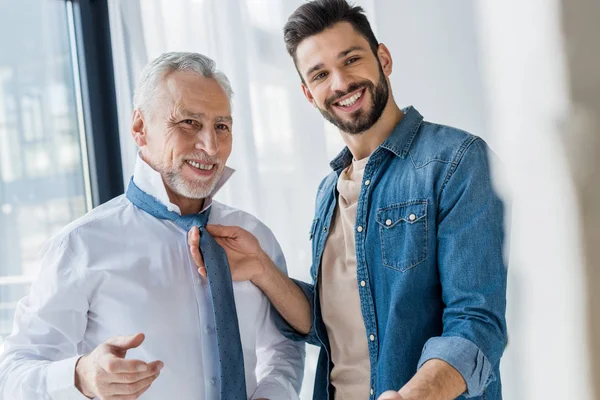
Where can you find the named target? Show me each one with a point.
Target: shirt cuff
(465, 357)
(273, 389)
(60, 380)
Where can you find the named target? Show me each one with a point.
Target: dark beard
(360, 120)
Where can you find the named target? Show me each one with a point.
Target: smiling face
(342, 77)
(187, 138)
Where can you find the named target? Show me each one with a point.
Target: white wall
(530, 115)
(436, 53)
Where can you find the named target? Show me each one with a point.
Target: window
(46, 177)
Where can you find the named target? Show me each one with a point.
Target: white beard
(190, 190)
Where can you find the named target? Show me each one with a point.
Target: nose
(207, 141)
(340, 81)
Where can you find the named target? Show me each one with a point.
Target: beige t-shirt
(338, 290)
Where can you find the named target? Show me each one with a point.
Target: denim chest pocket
(403, 233)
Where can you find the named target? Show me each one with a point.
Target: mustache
(351, 88)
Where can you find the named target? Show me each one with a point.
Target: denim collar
(398, 142)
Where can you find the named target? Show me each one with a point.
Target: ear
(385, 58)
(308, 94)
(138, 128)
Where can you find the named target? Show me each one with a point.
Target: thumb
(126, 342)
(221, 231)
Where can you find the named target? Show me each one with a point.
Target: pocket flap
(410, 212)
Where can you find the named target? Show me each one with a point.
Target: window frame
(93, 61)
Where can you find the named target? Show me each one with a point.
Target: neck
(361, 145)
(186, 205)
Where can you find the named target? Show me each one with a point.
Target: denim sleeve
(470, 240)
(287, 330)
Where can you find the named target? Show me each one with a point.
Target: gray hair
(155, 71)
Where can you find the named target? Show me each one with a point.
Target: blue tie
(231, 359)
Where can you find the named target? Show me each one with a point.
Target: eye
(320, 76)
(189, 122)
(352, 60)
(222, 127)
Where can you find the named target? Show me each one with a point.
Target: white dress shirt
(120, 271)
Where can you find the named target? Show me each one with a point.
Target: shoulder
(92, 224)
(442, 143)
(326, 187)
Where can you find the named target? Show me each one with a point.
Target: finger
(132, 396)
(197, 256)
(223, 231)
(130, 388)
(115, 365)
(194, 237)
(130, 377)
(126, 342)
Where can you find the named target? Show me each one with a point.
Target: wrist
(80, 382)
(264, 270)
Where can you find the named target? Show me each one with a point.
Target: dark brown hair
(315, 16)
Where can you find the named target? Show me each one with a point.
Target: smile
(350, 100)
(205, 167)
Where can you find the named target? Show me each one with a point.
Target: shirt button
(363, 283)
(372, 391)
(324, 229)
(372, 338)
(207, 329)
(213, 381)
(388, 222)
(360, 229)
(412, 217)
(367, 182)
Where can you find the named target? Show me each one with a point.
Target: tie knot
(189, 221)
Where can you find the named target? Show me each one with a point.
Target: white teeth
(350, 101)
(200, 166)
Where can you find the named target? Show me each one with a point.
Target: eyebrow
(199, 115)
(187, 113)
(224, 119)
(341, 55)
(350, 50)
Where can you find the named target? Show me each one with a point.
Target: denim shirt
(430, 270)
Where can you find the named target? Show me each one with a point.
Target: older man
(124, 269)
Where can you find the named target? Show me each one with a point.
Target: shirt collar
(150, 181)
(398, 142)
